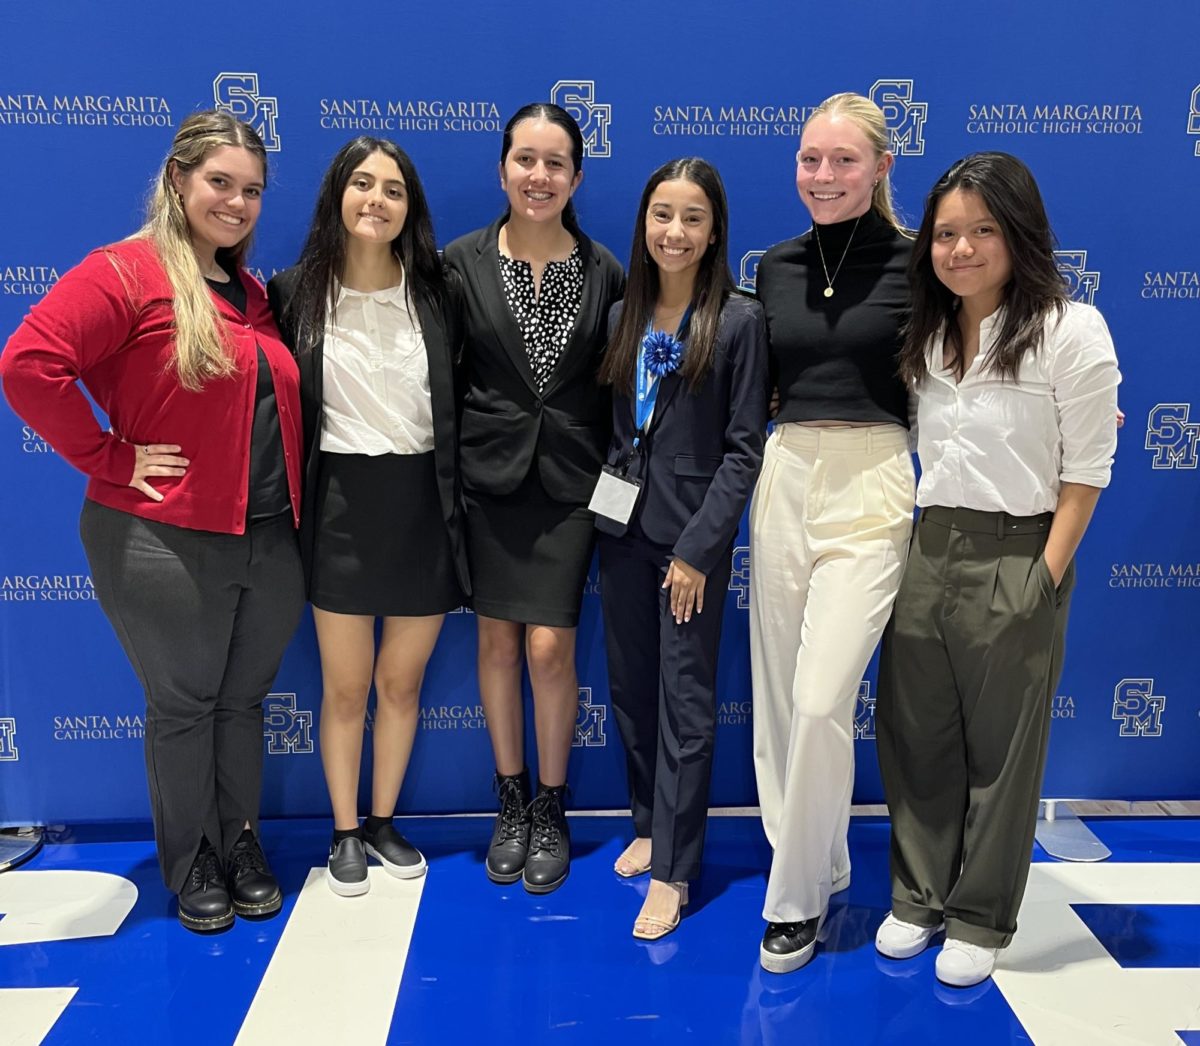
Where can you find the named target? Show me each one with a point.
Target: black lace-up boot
(549, 858)
(252, 887)
(204, 900)
(510, 838)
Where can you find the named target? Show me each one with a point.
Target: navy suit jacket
(508, 425)
(701, 456)
(439, 328)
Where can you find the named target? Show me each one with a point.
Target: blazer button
(537, 406)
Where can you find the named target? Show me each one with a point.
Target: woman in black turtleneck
(832, 513)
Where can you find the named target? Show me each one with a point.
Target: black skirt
(382, 547)
(529, 554)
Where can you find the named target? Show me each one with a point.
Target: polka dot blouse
(546, 320)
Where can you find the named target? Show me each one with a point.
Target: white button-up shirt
(1000, 445)
(376, 376)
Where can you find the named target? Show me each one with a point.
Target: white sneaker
(961, 965)
(900, 940)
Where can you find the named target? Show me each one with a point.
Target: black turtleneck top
(834, 359)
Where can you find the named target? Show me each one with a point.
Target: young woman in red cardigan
(193, 494)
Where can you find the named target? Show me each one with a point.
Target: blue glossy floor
(90, 952)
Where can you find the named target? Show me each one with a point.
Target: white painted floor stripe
(43, 906)
(337, 968)
(1063, 985)
(28, 1014)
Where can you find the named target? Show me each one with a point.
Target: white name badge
(614, 496)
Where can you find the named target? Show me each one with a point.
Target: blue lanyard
(647, 393)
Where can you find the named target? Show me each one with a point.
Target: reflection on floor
(1106, 953)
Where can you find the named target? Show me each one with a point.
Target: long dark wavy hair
(1036, 289)
(713, 284)
(558, 116)
(323, 257)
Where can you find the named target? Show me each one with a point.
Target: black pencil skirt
(529, 554)
(382, 546)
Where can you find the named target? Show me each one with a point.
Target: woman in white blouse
(367, 311)
(1015, 389)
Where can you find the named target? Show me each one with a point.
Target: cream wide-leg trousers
(829, 530)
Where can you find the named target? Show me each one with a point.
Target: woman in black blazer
(535, 424)
(367, 311)
(687, 358)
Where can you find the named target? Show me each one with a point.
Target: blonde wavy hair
(201, 341)
(868, 118)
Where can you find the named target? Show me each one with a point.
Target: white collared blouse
(376, 376)
(999, 445)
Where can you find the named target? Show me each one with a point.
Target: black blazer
(441, 334)
(507, 424)
(699, 460)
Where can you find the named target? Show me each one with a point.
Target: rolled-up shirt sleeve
(1084, 378)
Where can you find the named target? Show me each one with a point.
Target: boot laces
(206, 869)
(247, 857)
(546, 813)
(512, 811)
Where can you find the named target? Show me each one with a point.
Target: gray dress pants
(204, 619)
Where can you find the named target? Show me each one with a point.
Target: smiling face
(375, 200)
(222, 197)
(836, 169)
(969, 252)
(679, 226)
(538, 173)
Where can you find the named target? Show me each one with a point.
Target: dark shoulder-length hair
(713, 284)
(558, 116)
(323, 257)
(1035, 290)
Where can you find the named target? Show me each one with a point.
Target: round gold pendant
(828, 292)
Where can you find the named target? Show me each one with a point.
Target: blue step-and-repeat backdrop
(1104, 107)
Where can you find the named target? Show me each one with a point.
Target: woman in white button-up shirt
(367, 310)
(1015, 394)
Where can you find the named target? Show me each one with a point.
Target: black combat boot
(549, 858)
(510, 838)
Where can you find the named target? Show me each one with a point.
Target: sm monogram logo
(578, 97)
(1172, 437)
(739, 576)
(1081, 284)
(1137, 708)
(905, 118)
(864, 713)
(589, 723)
(288, 729)
(748, 273)
(1194, 117)
(8, 743)
(237, 94)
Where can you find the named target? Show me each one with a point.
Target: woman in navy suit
(687, 361)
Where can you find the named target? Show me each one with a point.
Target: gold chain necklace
(828, 292)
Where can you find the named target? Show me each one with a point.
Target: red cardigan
(108, 324)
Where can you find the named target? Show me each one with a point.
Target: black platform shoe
(510, 838)
(204, 904)
(788, 946)
(252, 888)
(549, 859)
